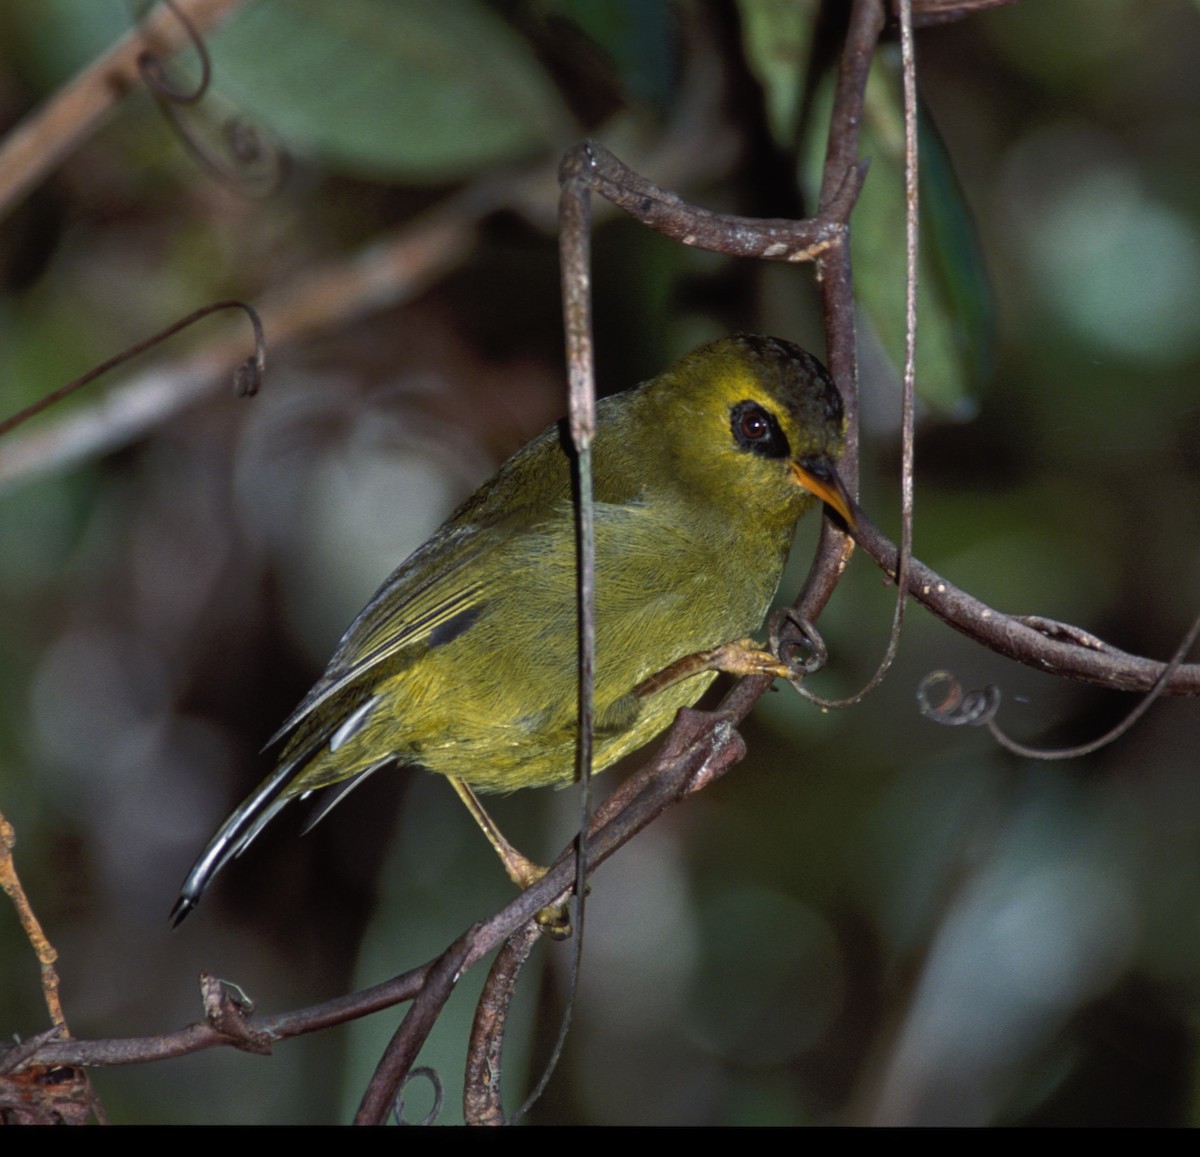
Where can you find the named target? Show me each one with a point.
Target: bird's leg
(554, 921)
(741, 657)
(521, 870)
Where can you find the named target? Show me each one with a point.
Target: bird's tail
(302, 769)
(234, 836)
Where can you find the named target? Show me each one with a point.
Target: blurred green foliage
(402, 92)
(872, 918)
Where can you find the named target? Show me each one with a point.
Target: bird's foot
(741, 657)
(555, 921)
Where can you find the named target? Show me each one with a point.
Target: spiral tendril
(797, 643)
(978, 708)
(154, 75)
(250, 162)
(956, 707)
(438, 1097)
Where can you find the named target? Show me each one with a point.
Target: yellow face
(748, 424)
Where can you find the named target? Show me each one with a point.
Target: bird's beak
(818, 477)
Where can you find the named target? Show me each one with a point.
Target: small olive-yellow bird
(464, 662)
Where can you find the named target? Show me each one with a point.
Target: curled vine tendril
(978, 708)
(954, 707)
(247, 378)
(438, 1097)
(797, 643)
(155, 76)
(249, 162)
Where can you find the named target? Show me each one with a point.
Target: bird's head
(751, 423)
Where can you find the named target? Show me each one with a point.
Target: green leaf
(953, 257)
(414, 90)
(955, 318)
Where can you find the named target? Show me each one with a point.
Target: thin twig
(908, 403)
(576, 178)
(1056, 651)
(1117, 730)
(154, 73)
(391, 272)
(979, 708)
(38, 941)
(249, 162)
(836, 277)
(247, 376)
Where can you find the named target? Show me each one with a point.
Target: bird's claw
(555, 921)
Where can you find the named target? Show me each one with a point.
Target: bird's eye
(756, 430)
(754, 426)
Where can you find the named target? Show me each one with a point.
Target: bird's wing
(440, 590)
(429, 599)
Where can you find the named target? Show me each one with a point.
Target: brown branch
(575, 220)
(835, 553)
(700, 748)
(414, 1029)
(979, 708)
(482, 1101)
(837, 294)
(1056, 648)
(841, 153)
(213, 1033)
(770, 239)
(56, 129)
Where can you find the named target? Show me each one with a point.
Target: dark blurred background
(873, 919)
